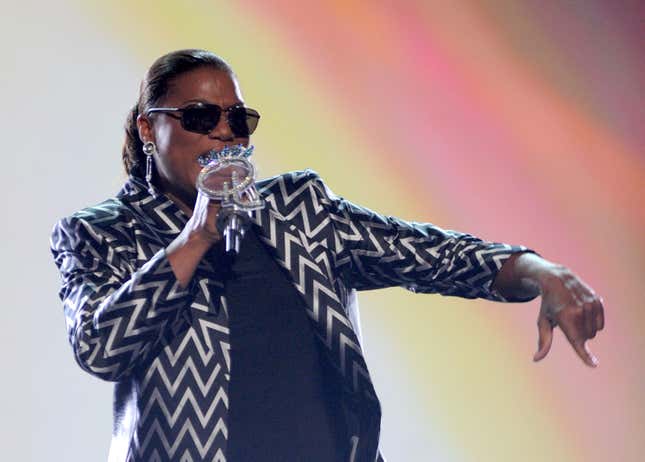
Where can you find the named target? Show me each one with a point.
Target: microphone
(229, 176)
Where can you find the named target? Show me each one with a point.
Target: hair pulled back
(153, 88)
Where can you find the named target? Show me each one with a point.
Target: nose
(222, 130)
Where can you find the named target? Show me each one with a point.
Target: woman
(259, 357)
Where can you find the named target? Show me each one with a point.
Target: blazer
(167, 349)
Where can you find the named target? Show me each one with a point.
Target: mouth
(227, 152)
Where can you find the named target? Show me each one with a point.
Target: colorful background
(516, 121)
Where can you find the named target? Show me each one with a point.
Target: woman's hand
(202, 224)
(573, 306)
(566, 301)
(199, 234)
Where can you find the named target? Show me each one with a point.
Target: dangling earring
(149, 149)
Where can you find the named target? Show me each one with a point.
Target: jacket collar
(159, 212)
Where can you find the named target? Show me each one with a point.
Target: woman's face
(177, 149)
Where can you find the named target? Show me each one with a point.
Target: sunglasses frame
(169, 111)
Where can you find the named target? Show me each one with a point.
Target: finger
(599, 314)
(545, 338)
(574, 332)
(201, 202)
(205, 216)
(585, 354)
(590, 322)
(213, 202)
(588, 295)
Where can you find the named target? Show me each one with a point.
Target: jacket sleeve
(375, 251)
(115, 314)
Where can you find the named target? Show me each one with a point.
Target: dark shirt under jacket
(284, 403)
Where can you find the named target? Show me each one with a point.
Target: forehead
(204, 84)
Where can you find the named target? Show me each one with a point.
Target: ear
(145, 128)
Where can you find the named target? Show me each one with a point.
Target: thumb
(545, 337)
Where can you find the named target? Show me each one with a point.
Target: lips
(212, 155)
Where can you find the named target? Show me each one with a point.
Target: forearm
(116, 313)
(113, 323)
(184, 254)
(375, 251)
(199, 234)
(522, 276)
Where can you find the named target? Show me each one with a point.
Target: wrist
(523, 276)
(194, 242)
(186, 251)
(203, 238)
(535, 271)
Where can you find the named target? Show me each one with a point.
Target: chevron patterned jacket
(167, 349)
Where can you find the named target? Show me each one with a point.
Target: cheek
(174, 147)
(171, 139)
(177, 158)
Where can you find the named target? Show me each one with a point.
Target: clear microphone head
(226, 173)
(229, 176)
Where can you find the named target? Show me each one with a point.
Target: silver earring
(149, 149)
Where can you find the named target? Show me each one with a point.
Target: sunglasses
(203, 118)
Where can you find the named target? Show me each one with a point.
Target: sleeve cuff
(159, 269)
(495, 295)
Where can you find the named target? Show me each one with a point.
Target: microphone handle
(234, 228)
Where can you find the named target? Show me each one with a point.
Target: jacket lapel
(302, 251)
(162, 222)
(298, 249)
(162, 218)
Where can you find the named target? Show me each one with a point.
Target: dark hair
(153, 88)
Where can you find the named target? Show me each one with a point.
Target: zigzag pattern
(128, 321)
(183, 400)
(375, 251)
(296, 208)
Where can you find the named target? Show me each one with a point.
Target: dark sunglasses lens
(243, 121)
(201, 119)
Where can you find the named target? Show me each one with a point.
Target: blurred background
(516, 121)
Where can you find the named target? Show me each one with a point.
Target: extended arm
(375, 251)
(379, 251)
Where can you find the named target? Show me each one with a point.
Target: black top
(283, 402)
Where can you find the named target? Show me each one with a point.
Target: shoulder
(304, 184)
(299, 184)
(293, 179)
(113, 219)
(104, 222)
